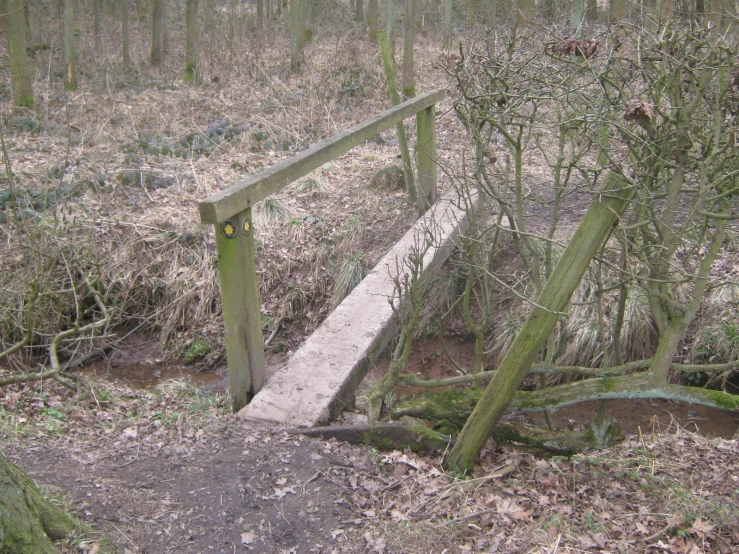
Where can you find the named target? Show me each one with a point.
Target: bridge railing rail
(230, 212)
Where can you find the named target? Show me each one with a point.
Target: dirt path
(220, 488)
(169, 470)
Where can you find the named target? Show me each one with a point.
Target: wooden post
(240, 299)
(426, 154)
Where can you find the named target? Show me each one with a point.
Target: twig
(471, 516)
(273, 334)
(316, 475)
(28, 377)
(29, 324)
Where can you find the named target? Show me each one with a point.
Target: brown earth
(168, 470)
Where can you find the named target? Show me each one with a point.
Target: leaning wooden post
(605, 210)
(426, 154)
(240, 299)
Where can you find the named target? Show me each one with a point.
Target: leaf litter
(169, 469)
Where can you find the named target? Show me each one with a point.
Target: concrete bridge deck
(320, 379)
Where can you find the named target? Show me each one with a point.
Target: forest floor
(170, 470)
(167, 468)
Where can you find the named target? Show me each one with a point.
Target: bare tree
(409, 38)
(97, 7)
(372, 19)
(126, 46)
(70, 80)
(156, 33)
(192, 41)
(20, 74)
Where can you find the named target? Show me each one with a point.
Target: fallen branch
(56, 368)
(27, 377)
(625, 369)
(456, 405)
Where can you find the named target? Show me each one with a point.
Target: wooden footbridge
(320, 379)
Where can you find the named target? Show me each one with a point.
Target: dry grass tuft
(350, 274)
(310, 185)
(390, 177)
(271, 211)
(639, 334)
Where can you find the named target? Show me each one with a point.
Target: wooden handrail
(246, 193)
(230, 212)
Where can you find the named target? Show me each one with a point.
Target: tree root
(456, 405)
(383, 436)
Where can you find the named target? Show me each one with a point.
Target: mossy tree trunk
(70, 81)
(140, 10)
(595, 227)
(20, 74)
(156, 33)
(577, 16)
(302, 22)
(471, 10)
(492, 13)
(192, 41)
(28, 522)
(372, 19)
(390, 24)
(308, 16)
(126, 44)
(165, 28)
(389, 68)
(409, 22)
(97, 7)
(617, 11)
(448, 15)
(591, 10)
(295, 27)
(524, 13)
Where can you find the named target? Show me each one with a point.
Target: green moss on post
(241, 315)
(426, 154)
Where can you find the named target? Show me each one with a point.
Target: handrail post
(426, 153)
(241, 315)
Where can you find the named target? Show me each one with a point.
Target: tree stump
(29, 523)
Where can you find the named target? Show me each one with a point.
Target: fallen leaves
(639, 111)
(572, 47)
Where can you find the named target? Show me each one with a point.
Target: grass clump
(390, 176)
(196, 350)
(271, 211)
(351, 272)
(310, 185)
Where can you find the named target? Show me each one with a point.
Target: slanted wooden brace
(230, 212)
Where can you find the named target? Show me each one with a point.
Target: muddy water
(145, 375)
(633, 416)
(648, 416)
